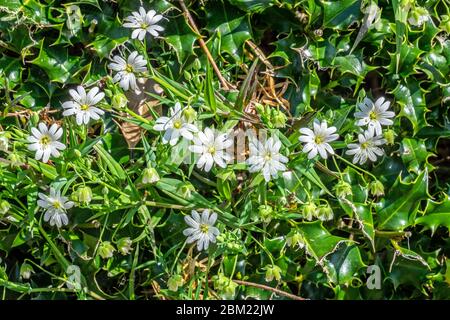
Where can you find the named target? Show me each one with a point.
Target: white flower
(201, 229)
(317, 141)
(368, 147)
(374, 114)
(212, 147)
(143, 22)
(266, 158)
(83, 105)
(176, 125)
(55, 207)
(126, 70)
(45, 141)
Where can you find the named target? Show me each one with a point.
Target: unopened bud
(389, 135)
(273, 272)
(4, 142)
(343, 189)
(175, 282)
(124, 246)
(106, 250)
(325, 212)
(189, 114)
(119, 101)
(84, 195)
(376, 188)
(150, 176)
(26, 270)
(295, 239)
(278, 118)
(309, 210)
(4, 207)
(265, 212)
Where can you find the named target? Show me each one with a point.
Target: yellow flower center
(56, 204)
(373, 115)
(177, 124)
(84, 107)
(319, 139)
(45, 140)
(129, 68)
(204, 228)
(212, 150)
(364, 145)
(144, 25)
(267, 157)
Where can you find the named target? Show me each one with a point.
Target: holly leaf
(402, 202)
(436, 214)
(343, 265)
(340, 14)
(318, 241)
(180, 37)
(230, 26)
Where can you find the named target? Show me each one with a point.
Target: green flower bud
(278, 118)
(273, 272)
(150, 176)
(4, 207)
(106, 250)
(376, 188)
(187, 75)
(309, 210)
(175, 282)
(34, 119)
(105, 191)
(389, 135)
(84, 195)
(325, 212)
(343, 189)
(225, 286)
(15, 159)
(119, 101)
(265, 212)
(186, 190)
(197, 65)
(189, 114)
(294, 239)
(26, 270)
(4, 142)
(260, 108)
(124, 246)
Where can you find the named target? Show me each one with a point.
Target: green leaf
(252, 5)
(414, 154)
(230, 26)
(56, 62)
(180, 37)
(436, 214)
(114, 167)
(399, 211)
(318, 241)
(411, 98)
(343, 264)
(340, 14)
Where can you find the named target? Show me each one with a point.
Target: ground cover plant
(224, 149)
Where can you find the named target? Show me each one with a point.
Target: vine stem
(264, 287)
(191, 22)
(354, 166)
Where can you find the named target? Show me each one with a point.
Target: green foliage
(311, 232)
